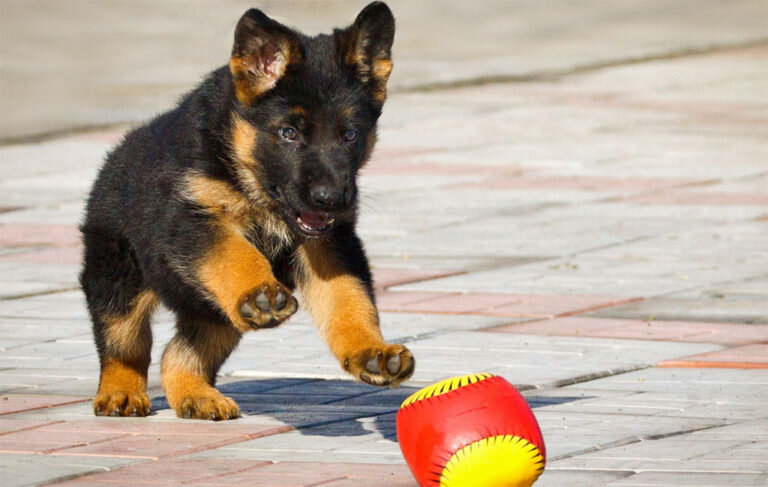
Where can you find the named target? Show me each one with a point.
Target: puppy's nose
(327, 197)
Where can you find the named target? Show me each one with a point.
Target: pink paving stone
(430, 168)
(258, 477)
(305, 474)
(38, 441)
(153, 446)
(15, 403)
(586, 183)
(8, 425)
(138, 426)
(700, 198)
(171, 472)
(383, 482)
(680, 331)
(497, 304)
(25, 234)
(55, 255)
(396, 300)
(461, 303)
(384, 278)
(556, 305)
(753, 356)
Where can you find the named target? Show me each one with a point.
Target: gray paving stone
(692, 384)
(69, 305)
(742, 301)
(519, 357)
(556, 477)
(669, 454)
(686, 479)
(27, 470)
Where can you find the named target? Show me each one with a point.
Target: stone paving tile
(738, 407)
(671, 454)
(290, 474)
(692, 479)
(15, 403)
(58, 306)
(496, 304)
(386, 277)
(369, 439)
(740, 301)
(168, 472)
(20, 235)
(557, 477)
(519, 357)
(8, 425)
(41, 440)
(700, 198)
(155, 443)
(679, 331)
(753, 356)
(66, 255)
(21, 279)
(220, 472)
(689, 383)
(680, 261)
(608, 185)
(23, 470)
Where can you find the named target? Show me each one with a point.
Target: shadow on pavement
(318, 407)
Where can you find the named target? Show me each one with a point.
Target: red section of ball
(431, 430)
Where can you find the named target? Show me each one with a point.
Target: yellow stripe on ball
(445, 386)
(498, 461)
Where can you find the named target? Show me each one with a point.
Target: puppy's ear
(262, 51)
(366, 47)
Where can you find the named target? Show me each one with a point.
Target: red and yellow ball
(471, 431)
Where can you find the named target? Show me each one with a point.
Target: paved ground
(598, 236)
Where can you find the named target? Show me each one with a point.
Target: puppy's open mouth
(314, 223)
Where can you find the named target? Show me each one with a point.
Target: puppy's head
(306, 112)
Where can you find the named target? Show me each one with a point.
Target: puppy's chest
(269, 234)
(227, 208)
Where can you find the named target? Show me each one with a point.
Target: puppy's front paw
(211, 405)
(267, 305)
(121, 403)
(388, 365)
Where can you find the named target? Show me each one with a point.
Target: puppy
(222, 207)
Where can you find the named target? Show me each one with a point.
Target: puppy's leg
(189, 367)
(120, 308)
(240, 280)
(340, 300)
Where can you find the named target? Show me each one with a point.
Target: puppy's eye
(350, 135)
(288, 133)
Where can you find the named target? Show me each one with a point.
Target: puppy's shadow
(317, 407)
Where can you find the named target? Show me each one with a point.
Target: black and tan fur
(224, 206)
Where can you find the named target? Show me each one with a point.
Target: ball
(470, 431)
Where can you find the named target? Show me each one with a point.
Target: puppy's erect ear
(366, 47)
(262, 51)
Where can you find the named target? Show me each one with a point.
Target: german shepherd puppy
(225, 205)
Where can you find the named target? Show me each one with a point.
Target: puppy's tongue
(314, 221)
